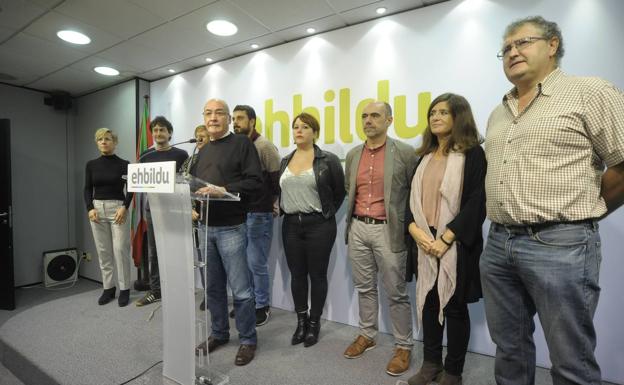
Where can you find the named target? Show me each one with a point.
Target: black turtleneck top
(103, 180)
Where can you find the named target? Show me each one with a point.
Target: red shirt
(369, 193)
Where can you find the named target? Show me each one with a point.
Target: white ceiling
(145, 38)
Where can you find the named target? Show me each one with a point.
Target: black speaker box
(59, 100)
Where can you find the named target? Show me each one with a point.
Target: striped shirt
(545, 164)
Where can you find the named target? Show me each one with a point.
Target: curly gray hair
(549, 29)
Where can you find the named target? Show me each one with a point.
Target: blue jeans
(552, 271)
(226, 263)
(259, 233)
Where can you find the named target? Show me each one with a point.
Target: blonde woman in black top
(107, 205)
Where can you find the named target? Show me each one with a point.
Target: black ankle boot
(300, 332)
(107, 296)
(314, 327)
(124, 298)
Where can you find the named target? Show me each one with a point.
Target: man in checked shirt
(547, 146)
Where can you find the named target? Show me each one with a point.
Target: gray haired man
(547, 146)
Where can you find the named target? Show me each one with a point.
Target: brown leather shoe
(245, 354)
(428, 372)
(359, 346)
(400, 362)
(212, 344)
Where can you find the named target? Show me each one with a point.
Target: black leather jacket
(329, 177)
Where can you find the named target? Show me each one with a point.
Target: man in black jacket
(162, 130)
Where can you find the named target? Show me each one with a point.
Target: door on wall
(7, 282)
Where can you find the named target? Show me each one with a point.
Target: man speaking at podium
(231, 163)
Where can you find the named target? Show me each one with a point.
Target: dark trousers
(457, 320)
(154, 272)
(308, 240)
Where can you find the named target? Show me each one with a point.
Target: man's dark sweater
(103, 180)
(231, 162)
(165, 156)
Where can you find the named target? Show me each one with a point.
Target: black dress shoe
(124, 298)
(107, 296)
(245, 354)
(211, 344)
(300, 332)
(141, 285)
(314, 327)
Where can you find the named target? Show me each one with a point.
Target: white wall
(422, 53)
(41, 190)
(112, 108)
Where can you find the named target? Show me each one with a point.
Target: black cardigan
(467, 228)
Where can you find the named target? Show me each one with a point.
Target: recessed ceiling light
(221, 28)
(209, 59)
(108, 71)
(73, 37)
(310, 30)
(381, 10)
(171, 70)
(254, 46)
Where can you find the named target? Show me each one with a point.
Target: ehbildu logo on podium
(157, 177)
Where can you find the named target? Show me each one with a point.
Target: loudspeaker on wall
(59, 100)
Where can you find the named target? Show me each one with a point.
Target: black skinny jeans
(308, 240)
(457, 320)
(152, 256)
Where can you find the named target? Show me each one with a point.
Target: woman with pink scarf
(447, 202)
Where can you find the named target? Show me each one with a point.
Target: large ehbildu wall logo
(338, 109)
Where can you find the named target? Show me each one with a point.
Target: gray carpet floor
(64, 337)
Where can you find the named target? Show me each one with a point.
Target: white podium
(183, 328)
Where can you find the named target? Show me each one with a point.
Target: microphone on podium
(188, 166)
